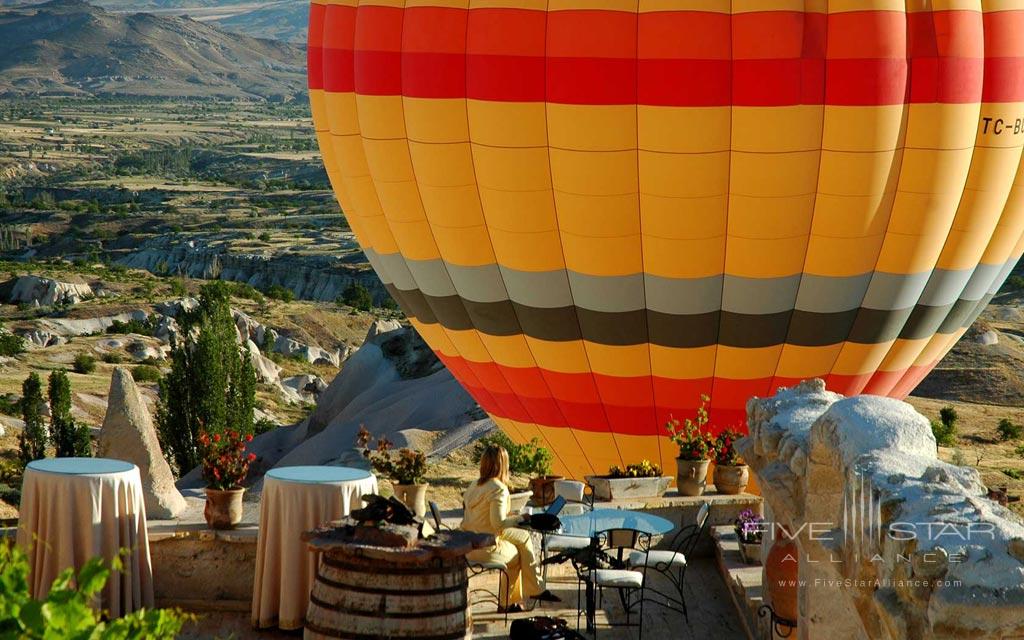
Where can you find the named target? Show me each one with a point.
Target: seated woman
(485, 505)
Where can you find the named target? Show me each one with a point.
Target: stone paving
(712, 614)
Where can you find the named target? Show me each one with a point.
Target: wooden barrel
(360, 598)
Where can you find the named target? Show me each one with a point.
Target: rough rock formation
(46, 291)
(40, 338)
(128, 434)
(309, 277)
(893, 542)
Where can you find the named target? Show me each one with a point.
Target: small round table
(75, 509)
(588, 524)
(297, 499)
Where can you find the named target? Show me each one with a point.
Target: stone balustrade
(893, 543)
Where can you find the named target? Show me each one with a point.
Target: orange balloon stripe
(545, 56)
(625, 403)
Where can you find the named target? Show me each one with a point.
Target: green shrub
(67, 611)
(142, 327)
(264, 237)
(945, 429)
(1016, 474)
(112, 358)
(84, 363)
(277, 292)
(146, 373)
(1009, 430)
(357, 296)
(530, 458)
(178, 288)
(10, 344)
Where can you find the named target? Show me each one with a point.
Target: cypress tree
(211, 386)
(69, 439)
(32, 442)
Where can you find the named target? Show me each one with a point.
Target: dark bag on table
(542, 628)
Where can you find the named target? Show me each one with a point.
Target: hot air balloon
(595, 211)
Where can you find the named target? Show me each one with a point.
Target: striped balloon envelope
(594, 211)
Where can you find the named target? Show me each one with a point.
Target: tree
(357, 296)
(32, 442)
(10, 344)
(69, 439)
(211, 385)
(945, 430)
(1009, 430)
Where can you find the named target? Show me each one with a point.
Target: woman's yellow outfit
(485, 510)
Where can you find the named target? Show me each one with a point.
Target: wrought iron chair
(603, 567)
(476, 568)
(671, 562)
(579, 498)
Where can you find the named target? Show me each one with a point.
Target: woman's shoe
(547, 596)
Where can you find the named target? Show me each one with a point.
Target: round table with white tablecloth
(297, 499)
(74, 509)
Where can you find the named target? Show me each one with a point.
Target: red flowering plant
(405, 466)
(726, 454)
(225, 462)
(692, 437)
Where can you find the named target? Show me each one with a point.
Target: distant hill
(285, 20)
(69, 47)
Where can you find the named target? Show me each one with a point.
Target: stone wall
(893, 543)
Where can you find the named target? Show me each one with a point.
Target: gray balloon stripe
(620, 294)
(796, 327)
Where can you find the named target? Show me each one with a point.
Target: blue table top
(588, 524)
(80, 466)
(318, 474)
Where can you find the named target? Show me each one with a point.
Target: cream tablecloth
(297, 499)
(74, 509)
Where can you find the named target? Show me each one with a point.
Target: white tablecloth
(297, 499)
(74, 509)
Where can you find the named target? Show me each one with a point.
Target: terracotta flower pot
(731, 478)
(691, 476)
(543, 488)
(223, 508)
(413, 496)
(781, 572)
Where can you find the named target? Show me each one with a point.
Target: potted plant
(404, 467)
(731, 474)
(696, 448)
(225, 466)
(749, 531)
(639, 480)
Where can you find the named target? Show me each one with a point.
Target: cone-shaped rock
(128, 434)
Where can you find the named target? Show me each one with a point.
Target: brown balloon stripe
(505, 54)
(802, 328)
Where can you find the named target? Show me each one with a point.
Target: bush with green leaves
(33, 438)
(530, 458)
(211, 385)
(84, 363)
(1009, 430)
(67, 612)
(945, 428)
(69, 439)
(277, 292)
(357, 296)
(10, 344)
(146, 373)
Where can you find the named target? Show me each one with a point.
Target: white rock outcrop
(894, 543)
(128, 434)
(47, 291)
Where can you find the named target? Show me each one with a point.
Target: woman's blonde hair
(494, 464)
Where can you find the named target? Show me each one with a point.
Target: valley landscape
(122, 191)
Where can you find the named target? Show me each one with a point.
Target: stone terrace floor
(711, 613)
